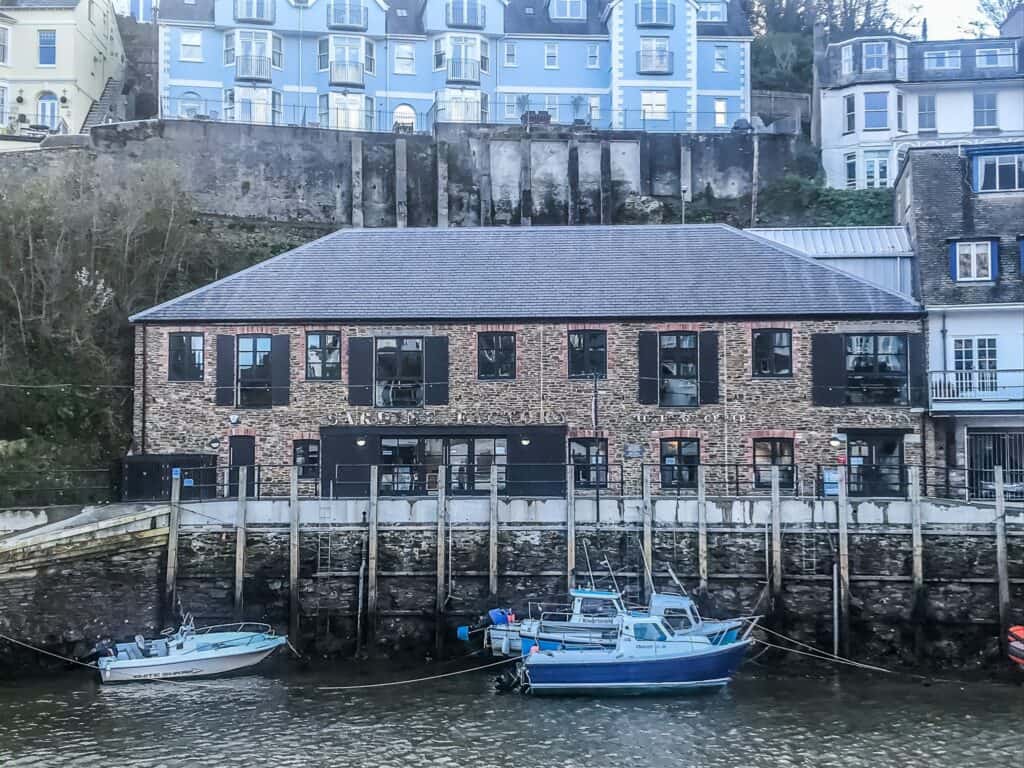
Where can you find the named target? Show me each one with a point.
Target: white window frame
(949, 60)
(370, 62)
(595, 107)
(197, 37)
(713, 11)
(483, 55)
(1004, 58)
(39, 49)
(901, 117)
(851, 181)
(551, 106)
(1015, 160)
(408, 65)
(876, 111)
(276, 47)
(721, 107)
(934, 112)
(849, 115)
(511, 110)
(570, 10)
(865, 56)
(994, 110)
(323, 57)
(4, 94)
(976, 362)
(593, 55)
(846, 59)
(511, 54)
(721, 59)
(549, 50)
(440, 48)
(5, 45)
(654, 111)
(276, 107)
(186, 99)
(979, 252)
(229, 48)
(876, 169)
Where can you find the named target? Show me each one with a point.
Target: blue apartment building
(657, 65)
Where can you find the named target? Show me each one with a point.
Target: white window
(370, 57)
(5, 40)
(511, 55)
(876, 111)
(276, 51)
(713, 11)
(550, 55)
(654, 55)
(973, 261)
(405, 59)
(190, 105)
(942, 60)
(721, 58)
(986, 113)
(721, 113)
(975, 362)
(323, 54)
(654, 105)
(229, 104)
(229, 48)
(926, 112)
(568, 9)
(851, 170)
(485, 56)
(846, 58)
(3, 107)
(994, 57)
(850, 105)
(1003, 173)
(323, 103)
(551, 106)
(511, 112)
(593, 55)
(875, 56)
(405, 116)
(595, 108)
(276, 108)
(191, 46)
(876, 169)
(439, 54)
(901, 120)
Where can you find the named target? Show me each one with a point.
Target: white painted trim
(530, 36)
(724, 38)
(658, 84)
(873, 39)
(740, 92)
(551, 89)
(972, 307)
(196, 83)
(406, 94)
(164, 23)
(299, 88)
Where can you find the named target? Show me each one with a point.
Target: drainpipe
(142, 436)
(943, 333)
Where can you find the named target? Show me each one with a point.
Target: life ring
(1017, 633)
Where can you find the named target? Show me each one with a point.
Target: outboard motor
(494, 617)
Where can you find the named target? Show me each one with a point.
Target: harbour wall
(924, 581)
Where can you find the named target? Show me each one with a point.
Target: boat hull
(192, 665)
(510, 639)
(590, 672)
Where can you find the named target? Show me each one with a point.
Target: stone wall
(462, 176)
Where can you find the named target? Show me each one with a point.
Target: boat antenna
(590, 571)
(676, 579)
(610, 571)
(647, 568)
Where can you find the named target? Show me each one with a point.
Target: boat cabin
(679, 611)
(595, 605)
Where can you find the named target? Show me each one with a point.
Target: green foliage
(797, 201)
(781, 61)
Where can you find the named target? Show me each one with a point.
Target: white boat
(190, 652)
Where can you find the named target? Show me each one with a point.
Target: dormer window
(713, 11)
(574, 10)
(942, 60)
(876, 57)
(987, 58)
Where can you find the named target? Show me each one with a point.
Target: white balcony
(976, 391)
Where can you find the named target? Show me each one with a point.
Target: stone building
(607, 348)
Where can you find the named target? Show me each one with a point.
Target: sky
(945, 17)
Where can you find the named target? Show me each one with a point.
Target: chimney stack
(924, 29)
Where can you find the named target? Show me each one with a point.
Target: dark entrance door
(241, 453)
(875, 460)
(988, 450)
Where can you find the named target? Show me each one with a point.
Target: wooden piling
(776, 508)
(702, 529)
(243, 479)
(173, 523)
(648, 525)
(492, 537)
(1002, 567)
(842, 517)
(293, 555)
(371, 555)
(442, 515)
(918, 609)
(570, 526)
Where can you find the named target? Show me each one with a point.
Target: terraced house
(672, 65)
(884, 93)
(602, 348)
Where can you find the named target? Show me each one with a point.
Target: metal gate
(987, 450)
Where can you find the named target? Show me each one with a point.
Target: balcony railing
(347, 73)
(467, 15)
(255, 11)
(255, 68)
(655, 13)
(346, 15)
(659, 63)
(463, 71)
(985, 386)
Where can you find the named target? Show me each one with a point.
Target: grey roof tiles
(702, 270)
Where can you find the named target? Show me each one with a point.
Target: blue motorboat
(648, 657)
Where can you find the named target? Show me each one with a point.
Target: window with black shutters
(589, 457)
(876, 369)
(588, 354)
(185, 357)
(769, 452)
(677, 378)
(496, 355)
(773, 353)
(398, 372)
(680, 458)
(323, 356)
(254, 372)
(306, 455)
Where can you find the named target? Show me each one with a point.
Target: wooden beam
(648, 525)
(293, 556)
(1002, 567)
(442, 552)
(570, 526)
(243, 479)
(173, 522)
(492, 537)
(702, 529)
(776, 508)
(842, 517)
(371, 555)
(918, 610)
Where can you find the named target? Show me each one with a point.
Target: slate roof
(698, 270)
(519, 22)
(409, 24)
(4, 17)
(179, 10)
(736, 24)
(39, 3)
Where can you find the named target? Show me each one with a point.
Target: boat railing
(540, 607)
(237, 626)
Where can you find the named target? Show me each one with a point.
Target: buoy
(534, 649)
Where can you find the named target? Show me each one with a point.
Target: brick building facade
(778, 368)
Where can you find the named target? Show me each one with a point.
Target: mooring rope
(415, 679)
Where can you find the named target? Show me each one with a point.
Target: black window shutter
(360, 371)
(225, 370)
(917, 367)
(707, 366)
(828, 369)
(648, 365)
(435, 370)
(280, 367)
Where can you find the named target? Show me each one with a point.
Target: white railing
(976, 385)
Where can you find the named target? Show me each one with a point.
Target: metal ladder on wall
(324, 536)
(808, 552)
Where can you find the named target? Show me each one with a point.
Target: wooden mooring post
(243, 479)
(702, 530)
(570, 526)
(776, 508)
(371, 556)
(442, 552)
(293, 556)
(173, 524)
(492, 535)
(842, 518)
(918, 604)
(647, 512)
(1002, 566)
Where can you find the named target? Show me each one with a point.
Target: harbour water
(290, 717)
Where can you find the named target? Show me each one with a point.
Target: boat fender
(463, 633)
(499, 616)
(1017, 633)
(534, 649)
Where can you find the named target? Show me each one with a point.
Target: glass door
(875, 461)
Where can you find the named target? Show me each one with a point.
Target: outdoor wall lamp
(234, 418)
(524, 441)
(214, 443)
(361, 441)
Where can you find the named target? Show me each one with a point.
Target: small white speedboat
(190, 652)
